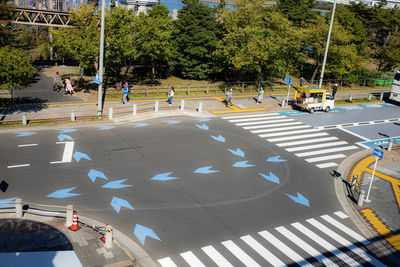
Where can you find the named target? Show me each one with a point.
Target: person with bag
(260, 95)
(57, 83)
(68, 86)
(228, 99)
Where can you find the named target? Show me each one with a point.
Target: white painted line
(307, 141)
(325, 151)
(216, 256)
(269, 120)
(18, 166)
(240, 254)
(289, 132)
(345, 229)
(265, 253)
(326, 165)
(191, 259)
(339, 143)
(250, 116)
(345, 242)
(167, 262)
(285, 249)
(325, 244)
(281, 129)
(257, 119)
(297, 137)
(261, 123)
(68, 150)
(306, 247)
(357, 135)
(272, 125)
(335, 156)
(27, 145)
(341, 215)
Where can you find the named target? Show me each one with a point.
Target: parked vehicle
(395, 92)
(313, 99)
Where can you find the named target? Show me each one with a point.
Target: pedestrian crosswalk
(325, 240)
(313, 144)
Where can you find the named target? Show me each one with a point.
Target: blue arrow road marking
(238, 152)
(271, 177)
(275, 159)
(20, 134)
(172, 122)
(203, 120)
(62, 137)
(79, 155)
(203, 127)
(163, 177)
(93, 174)
(140, 125)
(141, 232)
(242, 164)
(67, 130)
(7, 205)
(117, 184)
(104, 128)
(218, 138)
(117, 203)
(63, 193)
(300, 199)
(205, 170)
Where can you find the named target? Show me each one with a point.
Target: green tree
(6, 32)
(297, 11)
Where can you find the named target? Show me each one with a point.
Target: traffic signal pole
(100, 93)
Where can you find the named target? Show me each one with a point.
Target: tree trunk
(315, 73)
(153, 68)
(127, 69)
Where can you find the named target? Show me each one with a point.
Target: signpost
(288, 80)
(97, 79)
(378, 155)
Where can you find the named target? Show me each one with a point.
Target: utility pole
(100, 93)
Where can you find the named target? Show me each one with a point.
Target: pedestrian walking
(334, 90)
(57, 83)
(228, 99)
(260, 95)
(125, 98)
(171, 95)
(302, 81)
(68, 86)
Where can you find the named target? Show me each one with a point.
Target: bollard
(200, 108)
(389, 148)
(182, 107)
(134, 109)
(361, 196)
(110, 113)
(18, 208)
(68, 216)
(73, 115)
(108, 237)
(369, 97)
(351, 98)
(24, 120)
(156, 106)
(381, 97)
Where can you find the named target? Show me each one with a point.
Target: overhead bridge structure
(44, 18)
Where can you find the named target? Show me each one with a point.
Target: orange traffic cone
(74, 227)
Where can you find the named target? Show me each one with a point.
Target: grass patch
(361, 100)
(34, 123)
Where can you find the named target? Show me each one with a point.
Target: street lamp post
(327, 45)
(100, 94)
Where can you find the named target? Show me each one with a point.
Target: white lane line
(325, 244)
(285, 249)
(304, 246)
(324, 151)
(250, 116)
(167, 262)
(216, 256)
(272, 125)
(345, 242)
(191, 259)
(335, 156)
(261, 124)
(326, 165)
(265, 253)
(339, 143)
(257, 119)
(240, 254)
(289, 133)
(281, 129)
(67, 156)
(345, 229)
(341, 215)
(18, 166)
(297, 137)
(269, 120)
(27, 145)
(316, 140)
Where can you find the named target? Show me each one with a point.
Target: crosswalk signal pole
(100, 94)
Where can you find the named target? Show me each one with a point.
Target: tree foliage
(297, 11)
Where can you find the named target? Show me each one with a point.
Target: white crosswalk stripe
(312, 144)
(301, 243)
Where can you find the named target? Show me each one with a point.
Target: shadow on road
(21, 104)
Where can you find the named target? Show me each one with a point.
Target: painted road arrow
(93, 174)
(104, 128)
(117, 203)
(172, 122)
(67, 130)
(141, 232)
(271, 177)
(238, 152)
(62, 137)
(218, 138)
(242, 164)
(7, 205)
(300, 199)
(116, 184)
(163, 177)
(141, 125)
(203, 120)
(20, 134)
(275, 159)
(79, 155)
(205, 170)
(203, 127)
(63, 193)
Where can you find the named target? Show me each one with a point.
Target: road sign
(378, 153)
(97, 79)
(288, 80)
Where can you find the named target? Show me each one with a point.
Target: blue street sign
(288, 80)
(97, 79)
(378, 153)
